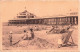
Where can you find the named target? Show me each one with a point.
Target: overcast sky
(9, 9)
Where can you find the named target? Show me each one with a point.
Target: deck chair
(66, 39)
(53, 30)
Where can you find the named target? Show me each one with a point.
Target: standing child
(10, 38)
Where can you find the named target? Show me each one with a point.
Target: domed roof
(25, 14)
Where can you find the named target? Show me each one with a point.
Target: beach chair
(53, 31)
(66, 39)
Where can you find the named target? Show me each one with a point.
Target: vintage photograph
(39, 25)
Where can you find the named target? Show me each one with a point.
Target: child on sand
(10, 38)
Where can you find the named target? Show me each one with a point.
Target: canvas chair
(53, 30)
(67, 37)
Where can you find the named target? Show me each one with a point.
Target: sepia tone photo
(39, 25)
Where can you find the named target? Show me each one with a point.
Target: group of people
(64, 37)
(30, 36)
(60, 31)
(26, 36)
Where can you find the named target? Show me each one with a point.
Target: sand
(42, 40)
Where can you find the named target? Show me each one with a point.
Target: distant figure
(36, 28)
(10, 38)
(32, 33)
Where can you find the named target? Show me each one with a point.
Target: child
(10, 37)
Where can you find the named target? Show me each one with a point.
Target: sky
(9, 9)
